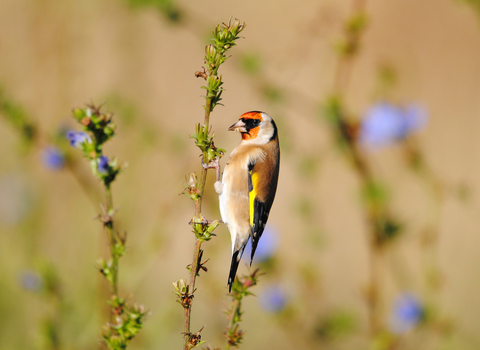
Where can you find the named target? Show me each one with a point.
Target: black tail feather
(233, 269)
(254, 248)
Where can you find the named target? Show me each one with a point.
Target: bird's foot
(205, 222)
(213, 164)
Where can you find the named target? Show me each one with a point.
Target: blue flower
(103, 166)
(385, 123)
(31, 280)
(267, 245)
(407, 313)
(273, 299)
(77, 138)
(53, 158)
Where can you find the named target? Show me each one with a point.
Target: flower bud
(210, 51)
(192, 180)
(180, 285)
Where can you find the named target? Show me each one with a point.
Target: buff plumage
(249, 183)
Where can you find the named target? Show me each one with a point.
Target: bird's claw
(213, 164)
(205, 222)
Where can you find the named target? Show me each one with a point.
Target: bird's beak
(238, 126)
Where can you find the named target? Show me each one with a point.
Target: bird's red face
(248, 125)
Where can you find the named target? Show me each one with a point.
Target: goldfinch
(249, 183)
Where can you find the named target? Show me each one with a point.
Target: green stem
(208, 107)
(237, 304)
(113, 243)
(109, 198)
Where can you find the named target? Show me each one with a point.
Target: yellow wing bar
(252, 195)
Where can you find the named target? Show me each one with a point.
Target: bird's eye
(256, 122)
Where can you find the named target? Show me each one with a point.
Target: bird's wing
(262, 185)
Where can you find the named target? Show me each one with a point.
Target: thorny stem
(198, 243)
(214, 56)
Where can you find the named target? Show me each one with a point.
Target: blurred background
(405, 75)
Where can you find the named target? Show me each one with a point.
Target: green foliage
(335, 325)
(167, 8)
(354, 27)
(240, 289)
(126, 323)
(107, 269)
(191, 188)
(181, 291)
(241, 286)
(226, 34)
(344, 131)
(374, 195)
(98, 124)
(99, 128)
(16, 115)
(224, 37)
(203, 230)
(387, 228)
(204, 141)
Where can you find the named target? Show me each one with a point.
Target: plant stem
(237, 304)
(373, 216)
(113, 242)
(198, 243)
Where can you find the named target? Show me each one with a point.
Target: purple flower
(53, 158)
(267, 245)
(407, 313)
(385, 123)
(77, 138)
(103, 166)
(273, 299)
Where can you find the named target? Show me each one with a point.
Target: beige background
(56, 55)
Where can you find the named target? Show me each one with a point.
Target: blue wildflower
(266, 246)
(273, 299)
(407, 313)
(103, 166)
(385, 123)
(53, 158)
(77, 138)
(31, 281)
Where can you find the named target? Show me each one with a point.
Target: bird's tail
(236, 257)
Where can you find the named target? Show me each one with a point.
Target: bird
(249, 183)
